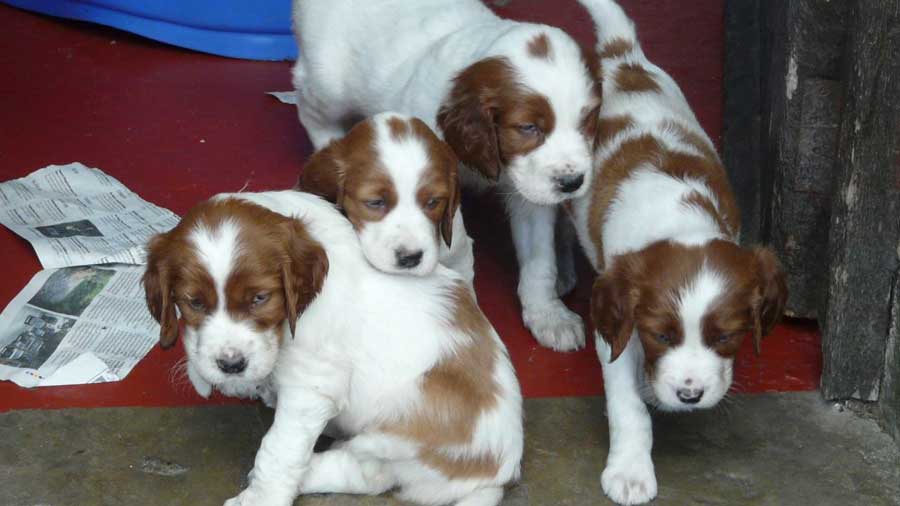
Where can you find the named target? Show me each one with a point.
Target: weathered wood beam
(801, 112)
(862, 260)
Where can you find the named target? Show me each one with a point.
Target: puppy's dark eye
(196, 304)
(260, 298)
(724, 338)
(432, 203)
(374, 203)
(529, 129)
(664, 338)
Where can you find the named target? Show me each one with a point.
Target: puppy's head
(528, 116)
(691, 307)
(238, 275)
(397, 183)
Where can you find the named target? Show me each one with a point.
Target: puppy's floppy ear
(453, 198)
(158, 286)
(303, 271)
(770, 295)
(467, 117)
(323, 174)
(613, 302)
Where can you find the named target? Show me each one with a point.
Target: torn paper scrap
(75, 215)
(285, 97)
(87, 368)
(65, 314)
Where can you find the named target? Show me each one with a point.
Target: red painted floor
(177, 126)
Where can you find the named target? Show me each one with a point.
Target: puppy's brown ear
(158, 288)
(613, 302)
(323, 174)
(453, 198)
(467, 117)
(303, 271)
(770, 295)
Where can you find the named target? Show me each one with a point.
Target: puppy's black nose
(407, 259)
(568, 184)
(232, 365)
(689, 395)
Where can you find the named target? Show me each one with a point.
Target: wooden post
(862, 259)
(801, 111)
(889, 403)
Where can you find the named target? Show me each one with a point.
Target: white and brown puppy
(675, 294)
(516, 101)
(396, 181)
(279, 302)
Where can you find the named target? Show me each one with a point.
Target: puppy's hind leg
(320, 129)
(490, 496)
(343, 472)
(318, 116)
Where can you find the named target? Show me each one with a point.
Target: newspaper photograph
(75, 215)
(75, 325)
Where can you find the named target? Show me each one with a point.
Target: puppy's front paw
(253, 497)
(629, 480)
(554, 326)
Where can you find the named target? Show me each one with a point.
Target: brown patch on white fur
(455, 393)
(481, 116)
(590, 123)
(481, 466)
(398, 127)
(615, 48)
(692, 138)
(349, 172)
(609, 127)
(539, 46)
(616, 169)
(277, 257)
(640, 291)
(647, 151)
(708, 206)
(633, 77)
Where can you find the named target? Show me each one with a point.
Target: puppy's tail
(616, 36)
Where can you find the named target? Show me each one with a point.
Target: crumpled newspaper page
(75, 215)
(85, 321)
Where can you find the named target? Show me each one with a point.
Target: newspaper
(76, 325)
(75, 215)
(83, 319)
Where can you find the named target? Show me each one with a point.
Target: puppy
(516, 102)
(397, 183)
(279, 302)
(676, 294)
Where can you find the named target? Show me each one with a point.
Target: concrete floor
(771, 449)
